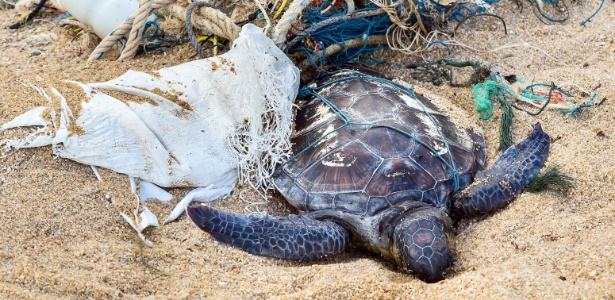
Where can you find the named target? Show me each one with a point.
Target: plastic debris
(205, 123)
(147, 219)
(152, 191)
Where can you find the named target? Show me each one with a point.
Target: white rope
(138, 25)
(288, 18)
(210, 21)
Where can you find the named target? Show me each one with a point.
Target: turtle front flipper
(497, 186)
(293, 237)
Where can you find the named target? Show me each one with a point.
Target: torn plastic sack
(205, 123)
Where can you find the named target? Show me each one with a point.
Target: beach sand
(62, 235)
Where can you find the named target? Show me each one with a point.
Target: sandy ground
(62, 236)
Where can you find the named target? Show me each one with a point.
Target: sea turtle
(387, 180)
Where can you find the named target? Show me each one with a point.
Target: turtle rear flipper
(292, 237)
(497, 186)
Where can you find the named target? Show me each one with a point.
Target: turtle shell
(366, 150)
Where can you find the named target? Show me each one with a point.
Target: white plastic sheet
(204, 123)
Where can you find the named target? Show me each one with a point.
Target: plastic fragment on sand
(152, 191)
(30, 118)
(133, 184)
(207, 194)
(147, 219)
(96, 173)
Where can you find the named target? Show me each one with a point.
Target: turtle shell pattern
(363, 169)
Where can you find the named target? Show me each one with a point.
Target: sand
(62, 235)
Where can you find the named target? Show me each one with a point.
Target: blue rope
(587, 104)
(306, 91)
(317, 15)
(149, 24)
(339, 32)
(526, 90)
(595, 13)
(158, 38)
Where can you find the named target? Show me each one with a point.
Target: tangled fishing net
(334, 33)
(316, 32)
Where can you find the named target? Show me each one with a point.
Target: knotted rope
(188, 21)
(211, 21)
(134, 25)
(288, 18)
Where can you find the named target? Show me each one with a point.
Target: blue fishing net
(316, 38)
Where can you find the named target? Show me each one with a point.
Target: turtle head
(421, 243)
